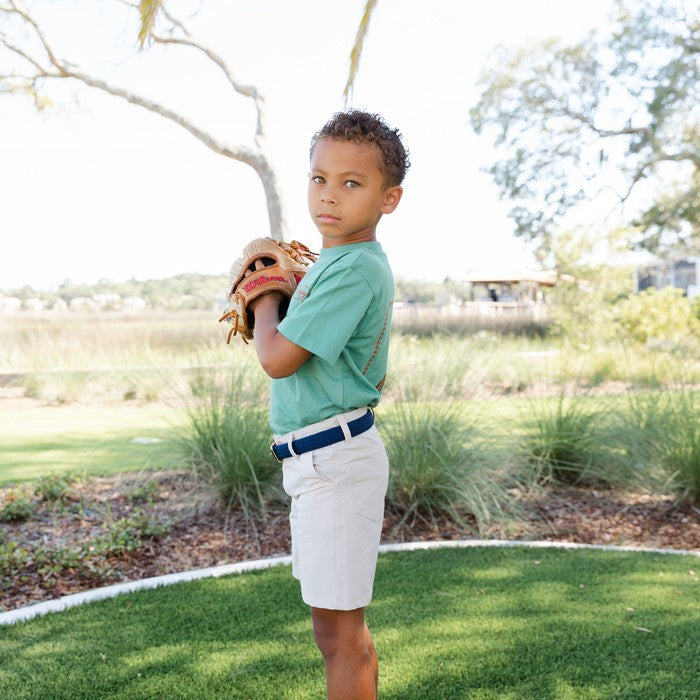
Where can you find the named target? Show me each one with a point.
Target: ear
(392, 197)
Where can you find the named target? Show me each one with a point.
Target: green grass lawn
(97, 439)
(451, 623)
(84, 439)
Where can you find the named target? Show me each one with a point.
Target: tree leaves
(148, 10)
(593, 121)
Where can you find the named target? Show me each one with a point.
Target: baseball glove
(285, 265)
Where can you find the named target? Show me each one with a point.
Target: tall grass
(441, 465)
(660, 434)
(429, 322)
(423, 369)
(68, 357)
(95, 341)
(563, 440)
(227, 439)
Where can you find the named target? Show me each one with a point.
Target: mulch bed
(200, 533)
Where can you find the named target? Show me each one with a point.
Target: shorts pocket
(369, 482)
(307, 472)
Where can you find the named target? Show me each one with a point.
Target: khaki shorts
(336, 517)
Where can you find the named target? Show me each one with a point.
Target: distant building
(682, 273)
(35, 305)
(509, 291)
(133, 304)
(9, 305)
(82, 304)
(107, 300)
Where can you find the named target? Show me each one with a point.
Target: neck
(363, 237)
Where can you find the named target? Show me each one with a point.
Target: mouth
(327, 218)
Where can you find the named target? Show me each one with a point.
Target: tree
(36, 63)
(613, 120)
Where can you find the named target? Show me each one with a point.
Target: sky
(95, 188)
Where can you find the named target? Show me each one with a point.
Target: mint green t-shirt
(341, 312)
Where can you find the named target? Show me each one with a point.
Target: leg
(369, 642)
(348, 653)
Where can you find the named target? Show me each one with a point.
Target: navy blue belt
(323, 438)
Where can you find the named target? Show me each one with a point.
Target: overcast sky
(97, 188)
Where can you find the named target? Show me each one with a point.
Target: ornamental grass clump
(226, 441)
(660, 435)
(441, 467)
(562, 440)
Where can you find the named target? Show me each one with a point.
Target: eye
(351, 184)
(317, 179)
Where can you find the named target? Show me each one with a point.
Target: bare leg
(342, 637)
(369, 642)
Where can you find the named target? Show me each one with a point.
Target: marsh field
(126, 439)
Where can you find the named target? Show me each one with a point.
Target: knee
(335, 640)
(327, 638)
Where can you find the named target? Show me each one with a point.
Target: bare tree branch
(62, 69)
(189, 40)
(245, 90)
(604, 133)
(23, 54)
(39, 33)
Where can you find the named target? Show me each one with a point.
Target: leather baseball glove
(284, 266)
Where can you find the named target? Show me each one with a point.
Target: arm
(278, 356)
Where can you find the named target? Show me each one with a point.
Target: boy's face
(347, 192)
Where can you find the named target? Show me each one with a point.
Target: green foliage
(227, 439)
(586, 292)
(183, 292)
(620, 109)
(657, 315)
(16, 505)
(89, 559)
(126, 534)
(695, 305)
(13, 559)
(422, 292)
(143, 493)
(54, 487)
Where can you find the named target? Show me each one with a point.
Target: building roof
(512, 276)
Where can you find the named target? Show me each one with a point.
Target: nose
(327, 196)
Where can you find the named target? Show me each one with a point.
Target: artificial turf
(449, 623)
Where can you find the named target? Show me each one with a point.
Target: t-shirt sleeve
(324, 322)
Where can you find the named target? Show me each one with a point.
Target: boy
(327, 360)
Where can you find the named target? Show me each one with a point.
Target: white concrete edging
(69, 601)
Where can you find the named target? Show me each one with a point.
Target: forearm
(278, 356)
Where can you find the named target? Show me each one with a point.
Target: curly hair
(363, 127)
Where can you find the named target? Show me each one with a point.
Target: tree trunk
(273, 197)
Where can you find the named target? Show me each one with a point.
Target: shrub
(128, 533)
(12, 560)
(16, 505)
(664, 315)
(227, 442)
(440, 466)
(54, 487)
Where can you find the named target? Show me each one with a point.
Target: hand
(271, 300)
(273, 297)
